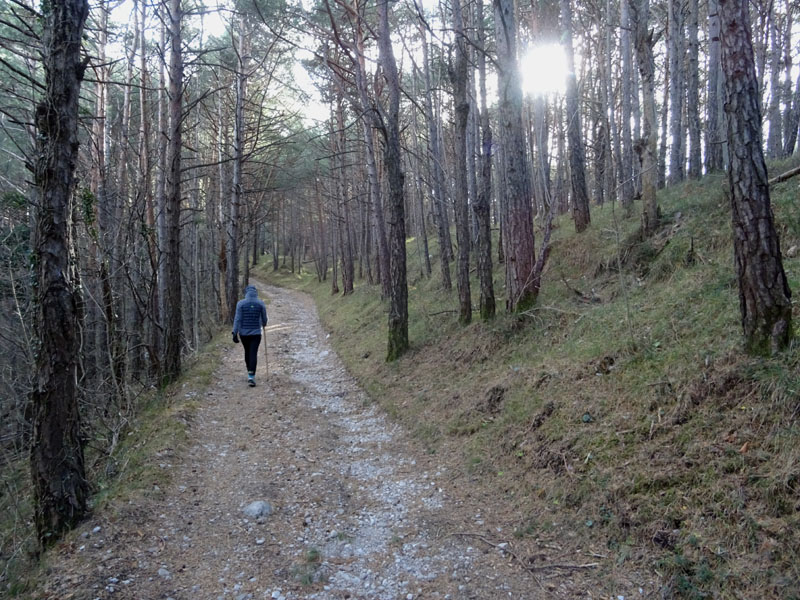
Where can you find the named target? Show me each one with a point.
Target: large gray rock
(259, 508)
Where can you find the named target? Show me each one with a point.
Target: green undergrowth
(157, 433)
(621, 406)
(127, 471)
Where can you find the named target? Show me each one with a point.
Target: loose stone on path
(259, 508)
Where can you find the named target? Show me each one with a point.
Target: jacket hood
(250, 291)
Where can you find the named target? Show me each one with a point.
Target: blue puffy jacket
(251, 313)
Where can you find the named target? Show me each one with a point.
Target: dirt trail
(357, 510)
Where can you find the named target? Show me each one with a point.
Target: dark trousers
(251, 343)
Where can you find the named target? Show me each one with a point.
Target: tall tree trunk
(232, 240)
(123, 348)
(714, 129)
(96, 358)
(422, 225)
(640, 15)
(626, 176)
(541, 144)
(560, 194)
(369, 120)
(676, 85)
(173, 334)
(60, 489)
(248, 218)
(376, 199)
(775, 136)
(481, 207)
(786, 88)
(793, 120)
(473, 150)
(693, 93)
(662, 151)
(224, 211)
(154, 341)
(195, 320)
(613, 155)
(764, 295)
(398, 306)
(521, 289)
(435, 159)
(161, 190)
(577, 158)
(461, 109)
(334, 234)
(322, 238)
(343, 210)
(764, 9)
(256, 224)
(790, 97)
(600, 159)
(636, 111)
(422, 230)
(109, 345)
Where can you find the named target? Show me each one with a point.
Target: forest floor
(356, 508)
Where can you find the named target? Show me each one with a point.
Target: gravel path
(355, 509)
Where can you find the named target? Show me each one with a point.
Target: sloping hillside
(618, 418)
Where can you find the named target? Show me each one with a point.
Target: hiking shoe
(251, 381)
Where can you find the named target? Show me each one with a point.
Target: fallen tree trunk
(784, 176)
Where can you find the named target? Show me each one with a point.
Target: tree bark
(521, 289)
(398, 306)
(233, 229)
(775, 136)
(577, 156)
(481, 207)
(647, 146)
(334, 234)
(693, 92)
(610, 167)
(461, 109)
(154, 344)
(122, 348)
(792, 120)
(636, 132)
(343, 205)
(626, 176)
(676, 86)
(60, 488)
(789, 122)
(714, 129)
(665, 122)
(160, 193)
(173, 325)
(473, 148)
(541, 144)
(95, 359)
(423, 233)
(369, 120)
(764, 295)
(435, 159)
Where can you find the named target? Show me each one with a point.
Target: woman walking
(251, 317)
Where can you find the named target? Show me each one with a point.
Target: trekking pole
(266, 356)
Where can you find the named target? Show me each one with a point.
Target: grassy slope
(629, 413)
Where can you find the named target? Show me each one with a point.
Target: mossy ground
(622, 403)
